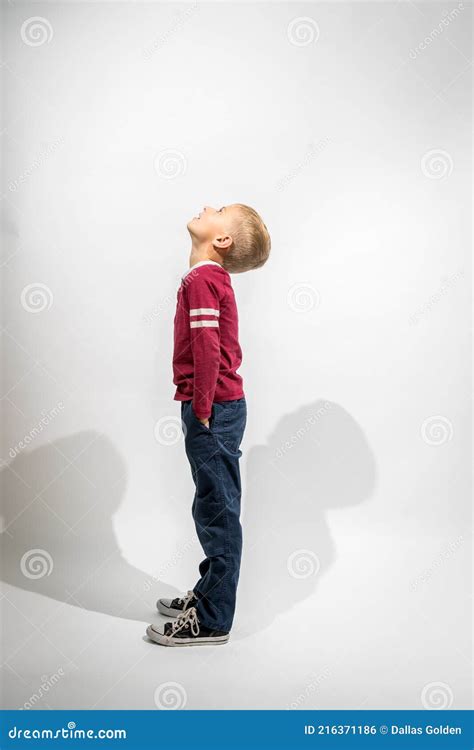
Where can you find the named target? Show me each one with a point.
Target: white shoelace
(186, 599)
(189, 617)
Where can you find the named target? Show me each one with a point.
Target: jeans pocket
(235, 422)
(198, 421)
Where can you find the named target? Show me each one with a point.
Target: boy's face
(213, 225)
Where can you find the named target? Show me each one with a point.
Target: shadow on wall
(59, 502)
(58, 538)
(317, 458)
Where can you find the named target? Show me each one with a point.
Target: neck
(203, 251)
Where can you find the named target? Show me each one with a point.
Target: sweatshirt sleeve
(205, 293)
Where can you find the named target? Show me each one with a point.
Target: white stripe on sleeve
(204, 324)
(204, 311)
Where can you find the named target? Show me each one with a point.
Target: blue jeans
(213, 453)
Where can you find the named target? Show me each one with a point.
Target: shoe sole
(165, 640)
(168, 611)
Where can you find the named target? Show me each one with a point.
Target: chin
(192, 226)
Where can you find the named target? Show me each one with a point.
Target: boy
(206, 358)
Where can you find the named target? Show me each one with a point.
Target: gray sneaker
(176, 607)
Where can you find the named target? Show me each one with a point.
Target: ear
(222, 242)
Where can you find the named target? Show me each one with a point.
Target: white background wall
(351, 135)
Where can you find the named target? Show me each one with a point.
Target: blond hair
(250, 242)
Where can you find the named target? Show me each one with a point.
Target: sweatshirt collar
(200, 263)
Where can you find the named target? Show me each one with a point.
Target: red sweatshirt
(207, 353)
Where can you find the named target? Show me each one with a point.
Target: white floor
(354, 589)
(364, 634)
